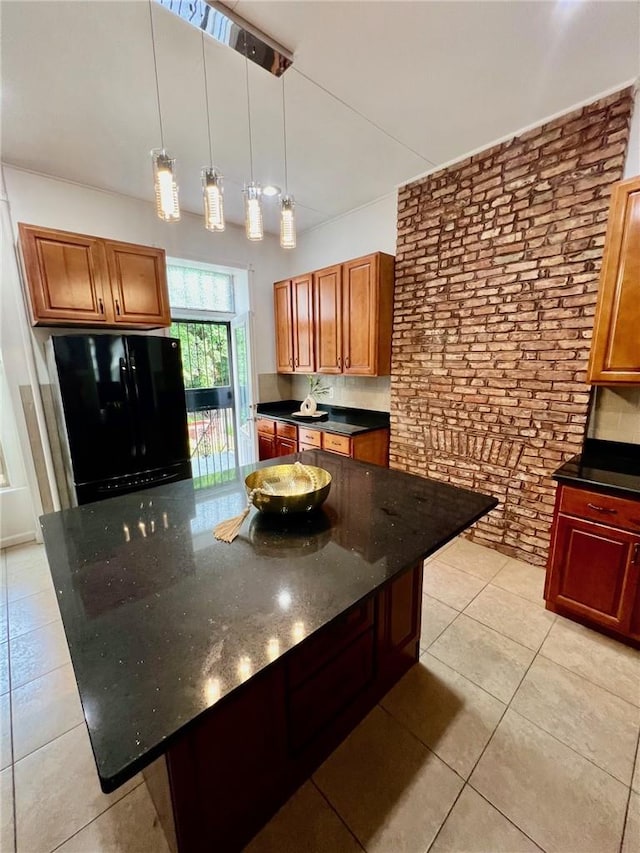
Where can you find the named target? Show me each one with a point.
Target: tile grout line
(13, 772)
(630, 794)
(486, 746)
(31, 630)
(586, 678)
(336, 812)
(51, 740)
(94, 819)
(537, 653)
(48, 672)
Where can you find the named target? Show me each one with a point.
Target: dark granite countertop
(163, 621)
(610, 465)
(342, 420)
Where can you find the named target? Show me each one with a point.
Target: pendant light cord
(284, 134)
(155, 66)
(246, 62)
(206, 95)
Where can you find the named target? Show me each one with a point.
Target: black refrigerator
(124, 410)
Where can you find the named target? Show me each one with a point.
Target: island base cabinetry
(234, 769)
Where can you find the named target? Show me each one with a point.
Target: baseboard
(17, 539)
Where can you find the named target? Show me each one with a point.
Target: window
(193, 287)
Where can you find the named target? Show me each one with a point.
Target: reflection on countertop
(162, 626)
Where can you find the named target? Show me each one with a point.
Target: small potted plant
(317, 389)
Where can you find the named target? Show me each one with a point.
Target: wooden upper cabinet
(293, 309)
(367, 315)
(79, 280)
(284, 326)
(66, 277)
(302, 313)
(138, 276)
(346, 327)
(327, 291)
(615, 349)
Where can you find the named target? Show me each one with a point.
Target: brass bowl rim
(290, 465)
(296, 502)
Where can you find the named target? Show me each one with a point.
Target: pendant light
(287, 203)
(164, 178)
(212, 188)
(252, 191)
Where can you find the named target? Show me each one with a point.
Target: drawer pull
(636, 554)
(606, 509)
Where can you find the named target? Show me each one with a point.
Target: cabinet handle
(100, 306)
(347, 362)
(636, 554)
(117, 307)
(606, 509)
(339, 361)
(290, 362)
(297, 365)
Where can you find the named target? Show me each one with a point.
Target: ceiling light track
(230, 29)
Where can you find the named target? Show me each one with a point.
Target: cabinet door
(66, 277)
(327, 295)
(285, 446)
(284, 326)
(302, 315)
(398, 624)
(266, 446)
(138, 277)
(359, 316)
(615, 350)
(591, 571)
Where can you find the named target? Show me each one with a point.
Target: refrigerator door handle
(124, 381)
(136, 392)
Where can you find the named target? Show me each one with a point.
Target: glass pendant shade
(166, 189)
(213, 201)
(287, 222)
(253, 211)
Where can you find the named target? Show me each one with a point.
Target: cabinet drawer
(617, 512)
(286, 430)
(265, 426)
(336, 443)
(331, 690)
(310, 436)
(329, 642)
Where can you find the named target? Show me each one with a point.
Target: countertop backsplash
(361, 392)
(615, 415)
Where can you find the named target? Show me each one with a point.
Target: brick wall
(497, 269)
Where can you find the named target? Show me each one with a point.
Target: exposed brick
(497, 268)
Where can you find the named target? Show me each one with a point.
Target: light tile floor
(516, 731)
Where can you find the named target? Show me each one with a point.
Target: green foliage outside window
(205, 353)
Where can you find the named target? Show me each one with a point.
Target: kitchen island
(227, 673)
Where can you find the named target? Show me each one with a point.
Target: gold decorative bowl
(284, 489)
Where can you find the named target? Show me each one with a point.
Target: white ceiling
(414, 84)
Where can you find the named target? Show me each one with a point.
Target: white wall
(371, 228)
(53, 203)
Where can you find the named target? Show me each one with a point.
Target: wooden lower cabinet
(593, 572)
(266, 438)
(266, 447)
(235, 767)
(276, 438)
